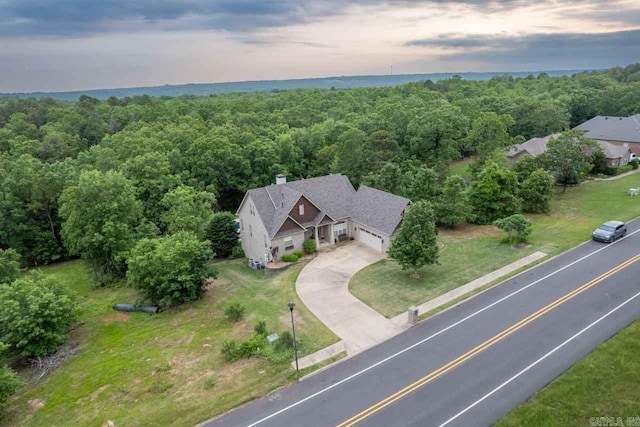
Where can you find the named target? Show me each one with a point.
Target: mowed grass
(460, 167)
(166, 369)
(578, 211)
(603, 384)
(473, 251)
(468, 254)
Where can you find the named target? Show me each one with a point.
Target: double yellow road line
(471, 353)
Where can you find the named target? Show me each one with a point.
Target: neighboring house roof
(614, 151)
(625, 129)
(335, 198)
(534, 147)
(378, 209)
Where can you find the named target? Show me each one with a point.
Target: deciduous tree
(414, 246)
(100, 217)
(35, 314)
(170, 270)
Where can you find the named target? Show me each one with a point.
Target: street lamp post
(293, 327)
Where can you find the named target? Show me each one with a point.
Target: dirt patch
(285, 320)
(96, 393)
(117, 317)
(210, 294)
(468, 231)
(35, 405)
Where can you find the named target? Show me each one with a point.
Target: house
(533, 147)
(617, 153)
(276, 219)
(619, 131)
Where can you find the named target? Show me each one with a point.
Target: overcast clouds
(76, 44)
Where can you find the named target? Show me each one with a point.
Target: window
(288, 243)
(265, 240)
(301, 210)
(340, 229)
(250, 231)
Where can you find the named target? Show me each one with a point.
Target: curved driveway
(323, 287)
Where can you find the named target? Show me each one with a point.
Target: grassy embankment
(603, 384)
(166, 369)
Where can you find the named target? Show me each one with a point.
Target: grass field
(460, 167)
(390, 290)
(603, 384)
(166, 369)
(474, 251)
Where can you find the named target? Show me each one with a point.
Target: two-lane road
(472, 364)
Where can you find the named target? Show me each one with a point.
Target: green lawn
(474, 251)
(390, 290)
(603, 384)
(460, 167)
(166, 369)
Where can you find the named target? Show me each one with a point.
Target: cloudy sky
(56, 45)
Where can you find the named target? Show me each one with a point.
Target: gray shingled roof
(626, 129)
(534, 147)
(331, 194)
(378, 209)
(334, 196)
(613, 151)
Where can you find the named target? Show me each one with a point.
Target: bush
(35, 314)
(260, 328)
(625, 168)
(9, 384)
(285, 341)
(230, 350)
(170, 270)
(516, 226)
(298, 254)
(234, 312)
(309, 246)
(252, 346)
(237, 252)
(634, 164)
(222, 232)
(611, 171)
(290, 258)
(248, 348)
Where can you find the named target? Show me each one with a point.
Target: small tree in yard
(516, 226)
(9, 265)
(568, 157)
(170, 270)
(494, 194)
(537, 191)
(452, 206)
(35, 314)
(415, 244)
(222, 233)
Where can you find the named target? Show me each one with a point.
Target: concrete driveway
(323, 287)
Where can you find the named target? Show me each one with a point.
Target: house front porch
(328, 234)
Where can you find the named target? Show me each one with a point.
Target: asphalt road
(474, 363)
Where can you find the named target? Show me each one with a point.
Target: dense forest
(146, 164)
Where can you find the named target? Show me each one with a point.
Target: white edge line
(538, 361)
(386, 359)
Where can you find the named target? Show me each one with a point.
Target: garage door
(370, 239)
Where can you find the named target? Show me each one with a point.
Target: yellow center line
(471, 353)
